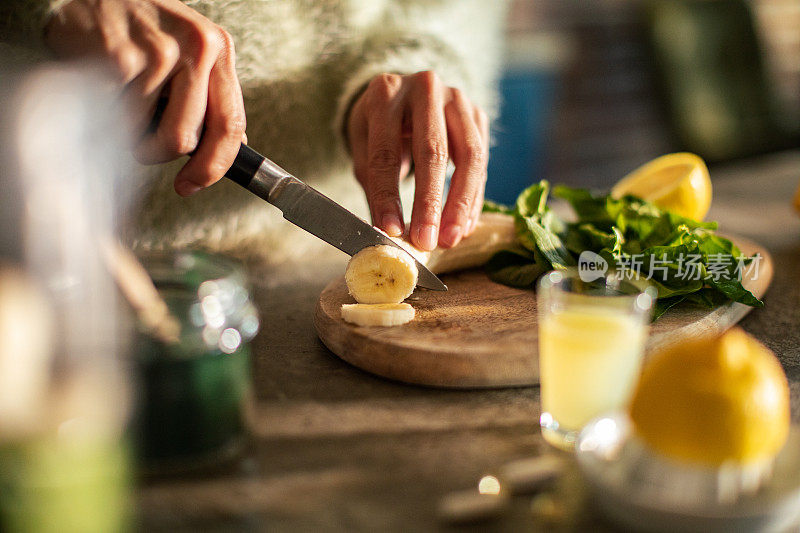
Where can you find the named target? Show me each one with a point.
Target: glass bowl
(641, 490)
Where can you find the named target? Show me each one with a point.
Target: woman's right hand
(163, 48)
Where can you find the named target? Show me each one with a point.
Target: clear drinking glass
(591, 340)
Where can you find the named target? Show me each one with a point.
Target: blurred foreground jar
(63, 465)
(63, 388)
(194, 390)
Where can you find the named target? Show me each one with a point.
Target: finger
(224, 128)
(163, 53)
(406, 166)
(482, 120)
(384, 153)
(142, 94)
(477, 208)
(181, 124)
(128, 61)
(98, 30)
(357, 136)
(429, 149)
(127, 58)
(469, 156)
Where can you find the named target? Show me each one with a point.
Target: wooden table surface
(336, 449)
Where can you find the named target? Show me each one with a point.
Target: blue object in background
(516, 158)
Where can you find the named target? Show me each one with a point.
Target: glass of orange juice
(592, 334)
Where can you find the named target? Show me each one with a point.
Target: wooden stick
(136, 285)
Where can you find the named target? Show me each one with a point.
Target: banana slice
(381, 275)
(384, 274)
(377, 314)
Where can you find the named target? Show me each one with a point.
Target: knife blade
(309, 209)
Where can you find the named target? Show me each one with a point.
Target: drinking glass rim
(640, 290)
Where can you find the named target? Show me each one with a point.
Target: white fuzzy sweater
(300, 63)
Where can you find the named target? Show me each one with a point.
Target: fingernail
(426, 237)
(391, 224)
(186, 188)
(450, 235)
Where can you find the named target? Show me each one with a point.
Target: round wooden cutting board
(482, 334)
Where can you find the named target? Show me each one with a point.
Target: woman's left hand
(415, 117)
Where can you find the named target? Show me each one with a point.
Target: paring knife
(312, 211)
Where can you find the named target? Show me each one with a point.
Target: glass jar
(193, 393)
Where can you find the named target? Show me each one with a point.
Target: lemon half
(714, 401)
(677, 182)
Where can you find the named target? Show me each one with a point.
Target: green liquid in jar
(191, 397)
(192, 407)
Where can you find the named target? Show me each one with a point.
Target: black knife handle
(245, 166)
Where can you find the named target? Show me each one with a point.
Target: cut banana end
(420, 255)
(381, 275)
(377, 314)
(493, 232)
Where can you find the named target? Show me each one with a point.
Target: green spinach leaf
(683, 258)
(515, 269)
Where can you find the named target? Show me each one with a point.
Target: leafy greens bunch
(632, 235)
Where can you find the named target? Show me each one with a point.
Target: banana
(420, 255)
(493, 232)
(377, 314)
(381, 275)
(384, 274)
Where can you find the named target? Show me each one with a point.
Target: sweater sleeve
(460, 40)
(23, 21)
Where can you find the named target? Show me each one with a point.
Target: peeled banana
(381, 275)
(493, 232)
(378, 314)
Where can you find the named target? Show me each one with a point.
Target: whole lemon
(713, 400)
